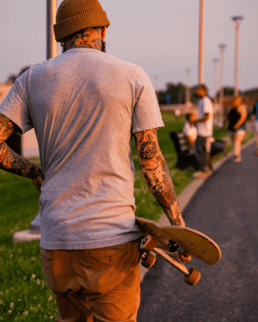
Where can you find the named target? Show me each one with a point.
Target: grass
(24, 295)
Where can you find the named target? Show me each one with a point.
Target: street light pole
(221, 94)
(51, 20)
(237, 20)
(215, 78)
(156, 77)
(34, 232)
(215, 89)
(187, 90)
(201, 43)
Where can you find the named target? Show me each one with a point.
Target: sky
(159, 35)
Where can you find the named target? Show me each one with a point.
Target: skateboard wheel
(147, 244)
(193, 277)
(148, 260)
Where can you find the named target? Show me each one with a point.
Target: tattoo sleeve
(156, 174)
(11, 161)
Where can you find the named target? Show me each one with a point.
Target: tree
(13, 77)
(176, 92)
(252, 91)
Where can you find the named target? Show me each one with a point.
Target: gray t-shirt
(84, 106)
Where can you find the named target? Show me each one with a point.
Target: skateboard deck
(166, 240)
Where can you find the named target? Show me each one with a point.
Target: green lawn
(24, 295)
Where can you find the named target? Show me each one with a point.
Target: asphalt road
(226, 209)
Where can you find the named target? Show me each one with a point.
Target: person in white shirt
(204, 124)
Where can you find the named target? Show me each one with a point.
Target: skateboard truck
(173, 247)
(147, 246)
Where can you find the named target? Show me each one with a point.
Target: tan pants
(94, 285)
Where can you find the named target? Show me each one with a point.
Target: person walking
(85, 107)
(205, 132)
(236, 128)
(255, 123)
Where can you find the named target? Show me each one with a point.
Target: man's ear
(103, 33)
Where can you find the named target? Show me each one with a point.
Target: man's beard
(103, 49)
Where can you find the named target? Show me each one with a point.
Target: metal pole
(187, 90)
(156, 77)
(51, 53)
(34, 232)
(237, 20)
(215, 78)
(221, 95)
(201, 43)
(215, 89)
(51, 20)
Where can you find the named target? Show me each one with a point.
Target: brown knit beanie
(76, 15)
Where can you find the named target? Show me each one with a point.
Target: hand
(185, 256)
(38, 178)
(38, 182)
(195, 122)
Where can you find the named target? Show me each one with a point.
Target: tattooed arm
(156, 174)
(11, 161)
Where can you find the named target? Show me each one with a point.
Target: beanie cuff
(74, 24)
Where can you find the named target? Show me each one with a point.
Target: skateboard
(168, 241)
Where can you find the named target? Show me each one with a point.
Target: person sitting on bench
(190, 130)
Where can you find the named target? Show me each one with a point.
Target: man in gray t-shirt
(85, 107)
(205, 131)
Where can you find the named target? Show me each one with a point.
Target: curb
(189, 191)
(25, 236)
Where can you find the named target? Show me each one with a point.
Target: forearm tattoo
(156, 174)
(11, 161)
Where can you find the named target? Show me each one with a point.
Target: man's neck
(86, 39)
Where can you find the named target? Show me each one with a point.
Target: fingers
(38, 182)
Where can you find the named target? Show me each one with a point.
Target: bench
(185, 158)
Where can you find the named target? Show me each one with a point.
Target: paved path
(226, 209)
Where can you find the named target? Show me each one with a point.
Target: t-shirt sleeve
(146, 113)
(207, 105)
(15, 106)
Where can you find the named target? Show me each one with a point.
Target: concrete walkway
(225, 208)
